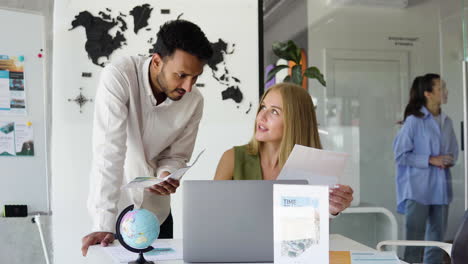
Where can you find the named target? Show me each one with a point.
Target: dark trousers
(166, 229)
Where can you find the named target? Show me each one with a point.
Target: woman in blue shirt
(425, 148)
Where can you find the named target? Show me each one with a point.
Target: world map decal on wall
(101, 42)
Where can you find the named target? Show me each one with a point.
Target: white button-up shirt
(133, 137)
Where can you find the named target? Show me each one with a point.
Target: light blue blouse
(415, 143)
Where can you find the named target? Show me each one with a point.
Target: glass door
(464, 15)
(370, 53)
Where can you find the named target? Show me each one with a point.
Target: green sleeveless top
(246, 166)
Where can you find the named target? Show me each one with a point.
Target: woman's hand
(340, 198)
(442, 161)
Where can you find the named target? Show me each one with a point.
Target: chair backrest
(460, 243)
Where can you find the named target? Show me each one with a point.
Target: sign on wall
(12, 93)
(16, 139)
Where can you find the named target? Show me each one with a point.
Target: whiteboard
(24, 180)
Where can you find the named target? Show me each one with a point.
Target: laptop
(229, 221)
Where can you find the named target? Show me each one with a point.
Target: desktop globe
(137, 230)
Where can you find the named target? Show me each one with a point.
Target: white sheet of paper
(165, 249)
(318, 167)
(300, 223)
(143, 182)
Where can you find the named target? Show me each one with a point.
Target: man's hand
(340, 198)
(103, 238)
(164, 188)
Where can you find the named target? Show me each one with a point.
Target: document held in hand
(318, 167)
(300, 224)
(143, 182)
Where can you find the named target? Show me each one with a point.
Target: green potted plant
(290, 52)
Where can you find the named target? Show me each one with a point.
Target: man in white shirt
(145, 124)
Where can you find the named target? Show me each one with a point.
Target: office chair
(458, 251)
(460, 243)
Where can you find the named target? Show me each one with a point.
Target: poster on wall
(12, 90)
(16, 139)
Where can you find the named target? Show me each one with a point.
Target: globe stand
(141, 259)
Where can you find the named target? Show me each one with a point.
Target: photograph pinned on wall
(16, 139)
(300, 221)
(12, 88)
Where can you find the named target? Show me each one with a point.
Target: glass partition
(370, 52)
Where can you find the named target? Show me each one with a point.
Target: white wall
(45, 8)
(224, 123)
(20, 238)
(20, 241)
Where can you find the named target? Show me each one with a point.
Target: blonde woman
(285, 117)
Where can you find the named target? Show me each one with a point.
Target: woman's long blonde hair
(300, 122)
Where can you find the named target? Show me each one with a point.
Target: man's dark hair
(183, 35)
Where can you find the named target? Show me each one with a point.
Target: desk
(337, 243)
